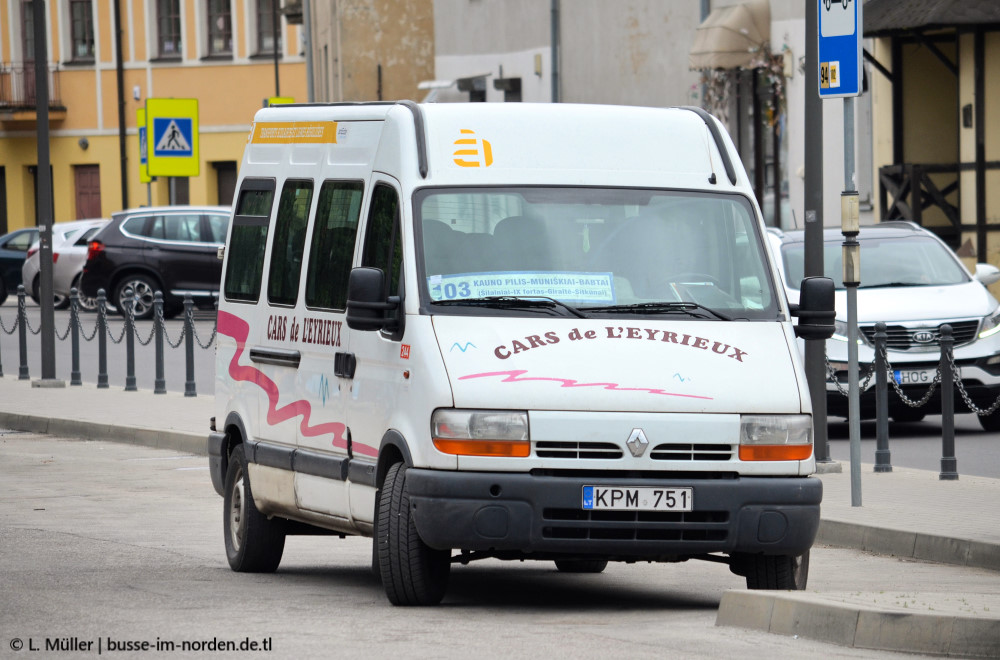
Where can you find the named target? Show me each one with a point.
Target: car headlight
(840, 332)
(991, 324)
(775, 437)
(481, 432)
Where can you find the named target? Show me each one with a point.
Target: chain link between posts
(13, 328)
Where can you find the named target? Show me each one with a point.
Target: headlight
(775, 437)
(991, 324)
(840, 332)
(481, 432)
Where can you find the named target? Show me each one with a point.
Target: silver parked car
(69, 254)
(912, 281)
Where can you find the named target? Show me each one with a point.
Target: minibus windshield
(594, 251)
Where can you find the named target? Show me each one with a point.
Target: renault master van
(512, 331)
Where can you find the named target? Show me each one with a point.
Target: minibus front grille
(581, 450)
(635, 525)
(686, 451)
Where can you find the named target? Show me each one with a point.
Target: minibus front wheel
(254, 543)
(412, 572)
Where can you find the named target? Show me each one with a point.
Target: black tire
(773, 571)
(86, 303)
(58, 301)
(139, 289)
(581, 565)
(991, 422)
(3, 291)
(412, 572)
(908, 415)
(254, 543)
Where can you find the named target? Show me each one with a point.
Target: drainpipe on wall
(120, 76)
(555, 51)
(307, 30)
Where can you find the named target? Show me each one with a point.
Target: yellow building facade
(219, 52)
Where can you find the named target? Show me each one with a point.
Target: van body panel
(640, 365)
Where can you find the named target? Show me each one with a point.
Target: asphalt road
(918, 445)
(104, 541)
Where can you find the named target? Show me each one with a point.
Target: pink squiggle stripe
(235, 327)
(515, 376)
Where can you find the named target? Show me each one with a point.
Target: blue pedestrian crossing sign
(172, 137)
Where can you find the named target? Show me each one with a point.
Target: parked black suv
(173, 249)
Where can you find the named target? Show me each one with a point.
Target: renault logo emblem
(637, 442)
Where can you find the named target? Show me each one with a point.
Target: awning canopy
(729, 37)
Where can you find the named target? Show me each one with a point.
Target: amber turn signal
(511, 448)
(775, 452)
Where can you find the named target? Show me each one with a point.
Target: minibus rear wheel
(773, 571)
(581, 565)
(254, 543)
(412, 572)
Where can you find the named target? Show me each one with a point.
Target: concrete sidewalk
(906, 513)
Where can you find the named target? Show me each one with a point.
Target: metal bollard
(102, 340)
(189, 385)
(74, 325)
(22, 334)
(159, 383)
(883, 462)
(129, 347)
(949, 464)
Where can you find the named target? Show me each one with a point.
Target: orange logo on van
(469, 146)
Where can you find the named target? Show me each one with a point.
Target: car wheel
(86, 303)
(773, 571)
(58, 301)
(990, 423)
(3, 291)
(581, 565)
(254, 543)
(908, 415)
(412, 572)
(139, 289)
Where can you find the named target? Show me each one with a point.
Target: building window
(265, 26)
(82, 30)
(168, 24)
(220, 28)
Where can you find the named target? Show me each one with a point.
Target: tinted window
(185, 228)
(136, 226)
(289, 242)
(383, 245)
(331, 252)
(245, 263)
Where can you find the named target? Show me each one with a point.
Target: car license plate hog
(645, 498)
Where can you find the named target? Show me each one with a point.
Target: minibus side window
(248, 240)
(383, 242)
(289, 242)
(331, 252)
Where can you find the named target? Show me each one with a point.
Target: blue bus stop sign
(840, 30)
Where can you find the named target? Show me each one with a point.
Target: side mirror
(987, 274)
(816, 309)
(365, 305)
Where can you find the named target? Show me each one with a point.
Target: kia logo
(924, 336)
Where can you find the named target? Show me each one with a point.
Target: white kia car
(912, 281)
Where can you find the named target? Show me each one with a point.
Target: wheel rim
(87, 304)
(141, 295)
(237, 513)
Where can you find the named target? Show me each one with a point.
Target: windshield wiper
(514, 302)
(690, 308)
(881, 285)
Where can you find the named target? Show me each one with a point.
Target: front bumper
(522, 515)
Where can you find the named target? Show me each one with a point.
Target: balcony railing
(17, 87)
